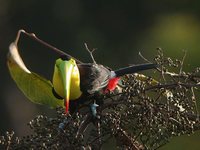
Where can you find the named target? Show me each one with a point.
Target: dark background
(118, 29)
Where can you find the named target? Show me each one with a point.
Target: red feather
(112, 84)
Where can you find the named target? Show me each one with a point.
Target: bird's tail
(134, 69)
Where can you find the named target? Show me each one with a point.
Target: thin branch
(84, 124)
(172, 85)
(140, 54)
(195, 103)
(34, 37)
(128, 139)
(99, 136)
(90, 52)
(182, 62)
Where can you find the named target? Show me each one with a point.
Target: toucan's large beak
(66, 68)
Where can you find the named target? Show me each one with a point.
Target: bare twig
(90, 52)
(182, 62)
(195, 103)
(140, 54)
(128, 140)
(172, 85)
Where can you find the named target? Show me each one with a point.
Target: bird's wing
(35, 87)
(104, 76)
(93, 77)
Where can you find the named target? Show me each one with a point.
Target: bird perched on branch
(72, 79)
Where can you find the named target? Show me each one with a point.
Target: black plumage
(93, 77)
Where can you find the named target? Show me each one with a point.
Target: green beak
(65, 68)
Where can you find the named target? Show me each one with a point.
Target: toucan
(72, 80)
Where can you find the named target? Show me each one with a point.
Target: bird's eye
(73, 61)
(64, 57)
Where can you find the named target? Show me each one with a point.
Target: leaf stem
(34, 37)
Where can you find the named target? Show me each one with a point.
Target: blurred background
(118, 29)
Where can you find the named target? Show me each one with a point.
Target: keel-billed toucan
(71, 80)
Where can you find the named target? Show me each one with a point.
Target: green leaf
(35, 87)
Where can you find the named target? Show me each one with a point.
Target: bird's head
(62, 79)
